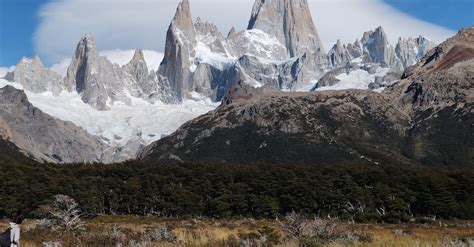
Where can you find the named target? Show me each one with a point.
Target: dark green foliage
(9, 152)
(358, 192)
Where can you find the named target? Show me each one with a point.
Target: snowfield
(357, 79)
(140, 121)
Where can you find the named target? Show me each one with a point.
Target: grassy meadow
(154, 231)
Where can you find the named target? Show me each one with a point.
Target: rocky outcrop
(275, 127)
(372, 52)
(425, 118)
(199, 58)
(93, 76)
(147, 84)
(291, 22)
(34, 77)
(443, 78)
(376, 45)
(180, 42)
(292, 25)
(411, 50)
(44, 137)
(339, 55)
(438, 94)
(101, 83)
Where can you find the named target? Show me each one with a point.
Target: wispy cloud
(129, 24)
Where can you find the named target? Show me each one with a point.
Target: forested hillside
(387, 193)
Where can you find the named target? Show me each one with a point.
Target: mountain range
(283, 97)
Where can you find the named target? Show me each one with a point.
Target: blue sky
(19, 21)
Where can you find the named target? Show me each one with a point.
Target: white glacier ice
(123, 123)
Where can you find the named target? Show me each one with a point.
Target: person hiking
(15, 234)
(11, 237)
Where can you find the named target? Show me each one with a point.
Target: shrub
(160, 234)
(63, 214)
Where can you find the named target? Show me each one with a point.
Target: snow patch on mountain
(357, 79)
(139, 121)
(204, 54)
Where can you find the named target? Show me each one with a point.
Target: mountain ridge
(201, 63)
(424, 121)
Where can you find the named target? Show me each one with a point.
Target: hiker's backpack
(5, 240)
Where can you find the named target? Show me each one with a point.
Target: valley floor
(152, 231)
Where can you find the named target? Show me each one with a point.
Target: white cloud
(129, 24)
(61, 67)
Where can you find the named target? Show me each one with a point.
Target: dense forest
(382, 193)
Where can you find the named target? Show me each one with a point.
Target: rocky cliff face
(101, 83)
(291, 22)
(180, 40)
(369, 54)
(339, 55)
(93, 76)
(318, 128)
(44, 137)
(34, 77)
(412, 50)
(423, 119)
(198, 58)
(438, 94)
(376, 45)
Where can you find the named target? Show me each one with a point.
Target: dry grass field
(151, 231)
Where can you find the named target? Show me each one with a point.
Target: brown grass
(104, 230)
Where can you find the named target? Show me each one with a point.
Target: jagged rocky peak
(411, 50)
(339, 55)
(89, 73)
(231, 33)
(355, 50)
(291, 22)
(378, 47)
(34, 77)
(101, 83)
(180, 40)
(183, 19)
(85, 53)
(457, 50)
(137, 66)
(138, 56)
